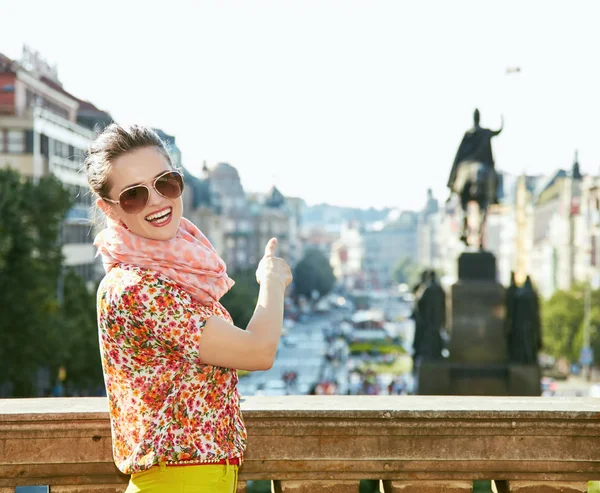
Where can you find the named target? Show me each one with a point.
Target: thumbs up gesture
(272, 268)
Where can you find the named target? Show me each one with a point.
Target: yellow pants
(185, 479)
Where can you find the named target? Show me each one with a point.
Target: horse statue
(473, 176)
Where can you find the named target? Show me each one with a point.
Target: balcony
(327, 444)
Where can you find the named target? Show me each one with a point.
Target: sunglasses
(133, 199)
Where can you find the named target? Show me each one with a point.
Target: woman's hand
(223, 344)
(273, 269)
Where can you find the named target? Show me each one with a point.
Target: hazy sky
(359, 103)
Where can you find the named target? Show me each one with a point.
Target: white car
(595, 390)
(275, 388)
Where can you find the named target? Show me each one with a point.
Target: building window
(77, 233)
(29, 141)
(61, 150)
(16, 141)
(44, 144)
(1, 140)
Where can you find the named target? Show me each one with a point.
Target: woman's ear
(106, 208)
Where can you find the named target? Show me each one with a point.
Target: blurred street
(574, 386)
(301, 351)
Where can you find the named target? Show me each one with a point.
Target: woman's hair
(114, 141)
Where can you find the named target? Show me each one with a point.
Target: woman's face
(160, 218)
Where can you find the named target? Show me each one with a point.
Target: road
(302, 351)
(574, 386)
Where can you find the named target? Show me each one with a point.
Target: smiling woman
(153, 211)
(170, 352)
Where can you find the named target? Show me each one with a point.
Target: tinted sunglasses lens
(170, 185)
(134, 199)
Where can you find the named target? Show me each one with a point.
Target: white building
(39, 134)
(347, 256)
(238, 224)
(428, 234)
(366, 258)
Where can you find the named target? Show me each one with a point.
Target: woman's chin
(166, 232)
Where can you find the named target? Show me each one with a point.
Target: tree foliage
(563, 323)
(313, 273)
(30, 260)
(80, 354)
(404, 271)
(36, 332)
(241, 299)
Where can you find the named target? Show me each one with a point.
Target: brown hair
(114, 141)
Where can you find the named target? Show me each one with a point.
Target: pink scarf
(188, 259)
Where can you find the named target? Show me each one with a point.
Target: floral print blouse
(165, 404)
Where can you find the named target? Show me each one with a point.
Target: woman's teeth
(159, 216)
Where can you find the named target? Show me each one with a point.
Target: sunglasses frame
(145, 185)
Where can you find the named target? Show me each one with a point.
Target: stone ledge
(472, 407)
(67, 441)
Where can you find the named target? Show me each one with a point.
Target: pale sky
(357, 103)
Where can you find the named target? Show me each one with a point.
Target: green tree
(313, 273)
(562, 316)
(563, 323)
(241, 299)
(79, 352)
(404, 271)
(30, 262)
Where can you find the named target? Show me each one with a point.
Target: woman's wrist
(273, 282)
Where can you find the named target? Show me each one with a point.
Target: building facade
(39, 134)
(545, 227)
(365, 258)
(428, 227)
(239, 225)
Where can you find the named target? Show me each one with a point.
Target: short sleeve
(162, 318)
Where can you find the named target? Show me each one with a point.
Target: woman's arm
(224, 344)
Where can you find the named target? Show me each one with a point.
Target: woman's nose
(155, 197)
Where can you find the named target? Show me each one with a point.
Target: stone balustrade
(328, 444)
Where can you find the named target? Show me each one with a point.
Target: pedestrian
(169, 349)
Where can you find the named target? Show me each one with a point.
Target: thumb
(270, 248)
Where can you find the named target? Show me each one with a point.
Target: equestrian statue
(473, 176)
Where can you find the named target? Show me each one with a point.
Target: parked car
(594, 390)
(548, 385)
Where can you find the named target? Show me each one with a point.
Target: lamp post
(586, 358)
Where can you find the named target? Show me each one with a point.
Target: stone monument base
(500, 379)
(477, 301)
(478, 362)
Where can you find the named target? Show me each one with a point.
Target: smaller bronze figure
(430, 317)
(417, 316)
(509, 303)
(525, 336)
(473, 176)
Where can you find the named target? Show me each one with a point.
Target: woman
(169, 349)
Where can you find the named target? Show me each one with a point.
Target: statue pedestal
(502, 379)
(477, 323)
(478, 362)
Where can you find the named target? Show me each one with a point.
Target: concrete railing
(328, 444)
